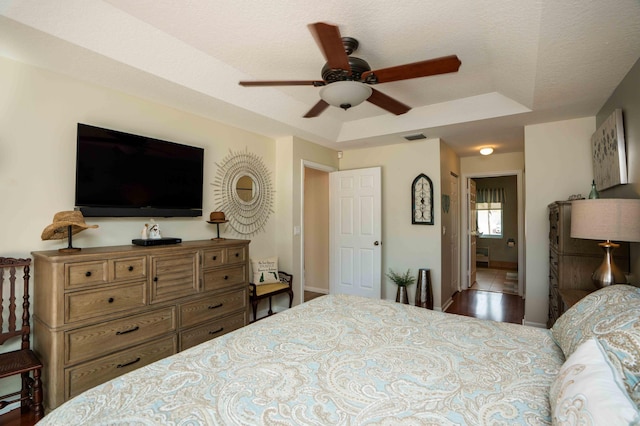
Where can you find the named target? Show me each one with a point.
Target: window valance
(490, 195)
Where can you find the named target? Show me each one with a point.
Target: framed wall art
(609, 153)
(422, 200)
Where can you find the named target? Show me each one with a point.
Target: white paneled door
(355, 232)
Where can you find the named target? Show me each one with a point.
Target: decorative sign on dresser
(105, 311)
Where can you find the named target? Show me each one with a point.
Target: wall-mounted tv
(123, 175)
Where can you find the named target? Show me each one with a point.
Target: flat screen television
(123, 175)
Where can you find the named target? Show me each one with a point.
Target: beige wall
(292, 152)
(405, 246)
(558, 164)
(316, 230)
(39, 112)
(482, 164)
(449, 163)
(627, 97)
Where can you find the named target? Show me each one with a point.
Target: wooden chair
(264, 291)
(22, 361)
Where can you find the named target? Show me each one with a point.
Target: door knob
(376, 243)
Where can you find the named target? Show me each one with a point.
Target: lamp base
(608, 273)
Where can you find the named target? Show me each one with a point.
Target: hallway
(496, 280)
(494, 296)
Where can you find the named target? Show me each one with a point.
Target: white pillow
(588, 390)
(265, 271)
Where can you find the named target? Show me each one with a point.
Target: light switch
(296, 230)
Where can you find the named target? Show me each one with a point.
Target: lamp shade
(345, 94)
(611, 219)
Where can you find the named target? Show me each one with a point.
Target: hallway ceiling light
(487, 150)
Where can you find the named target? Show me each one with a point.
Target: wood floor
(13, 418)
(492, 305)
(489, 305)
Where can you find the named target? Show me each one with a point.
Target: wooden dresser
(572, 261)
(102, 312)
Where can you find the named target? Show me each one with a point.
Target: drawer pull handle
(155, 279)
(219, 305)
(130, 268)
(217, 331)
(131, 330)
(87, 274)
(128, 363)
(215, 257)
(110, 300)
(237, 254)
(226, 277)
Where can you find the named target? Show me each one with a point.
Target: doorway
(315, 230)
(508, 253)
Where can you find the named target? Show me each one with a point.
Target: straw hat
(61, 222)
(217, 217)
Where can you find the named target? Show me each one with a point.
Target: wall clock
(422, 200)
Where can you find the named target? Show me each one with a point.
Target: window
(489, 219)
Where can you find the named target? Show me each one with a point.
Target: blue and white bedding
(339, 360)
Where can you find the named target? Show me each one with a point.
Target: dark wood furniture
(22, 361)
(572, 261)
(105, 311)
(267, 291)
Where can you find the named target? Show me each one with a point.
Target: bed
(348, 360)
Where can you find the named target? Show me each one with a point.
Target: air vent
(415, 137)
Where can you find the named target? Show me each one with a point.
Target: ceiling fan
(347, 80)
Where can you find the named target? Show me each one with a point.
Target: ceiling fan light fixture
(487, 150)
(345, 94)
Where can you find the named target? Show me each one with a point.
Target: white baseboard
(316, 290)
(534, 324)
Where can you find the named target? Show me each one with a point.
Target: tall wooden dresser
(102, 312)
(572, 261)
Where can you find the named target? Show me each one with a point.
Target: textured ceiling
(523, 61)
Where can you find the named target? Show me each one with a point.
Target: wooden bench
(267, 291)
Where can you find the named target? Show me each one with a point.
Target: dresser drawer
(212, 307)
(85, 376)
(211, 330)
(213, 258)
(219, 279)
(97, 340)
(105, 301)
(129, 268)
(85, 273)
(236, 255)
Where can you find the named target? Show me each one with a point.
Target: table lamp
(608, 219)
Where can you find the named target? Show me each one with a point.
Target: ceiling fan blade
(443, 65)
(317, 109)
(315, 83)
(388, 103)
(330, 43)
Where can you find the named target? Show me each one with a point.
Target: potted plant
(402, 281)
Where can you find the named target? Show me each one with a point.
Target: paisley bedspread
(339, 360)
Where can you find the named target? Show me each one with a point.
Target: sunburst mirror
(244, 192)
